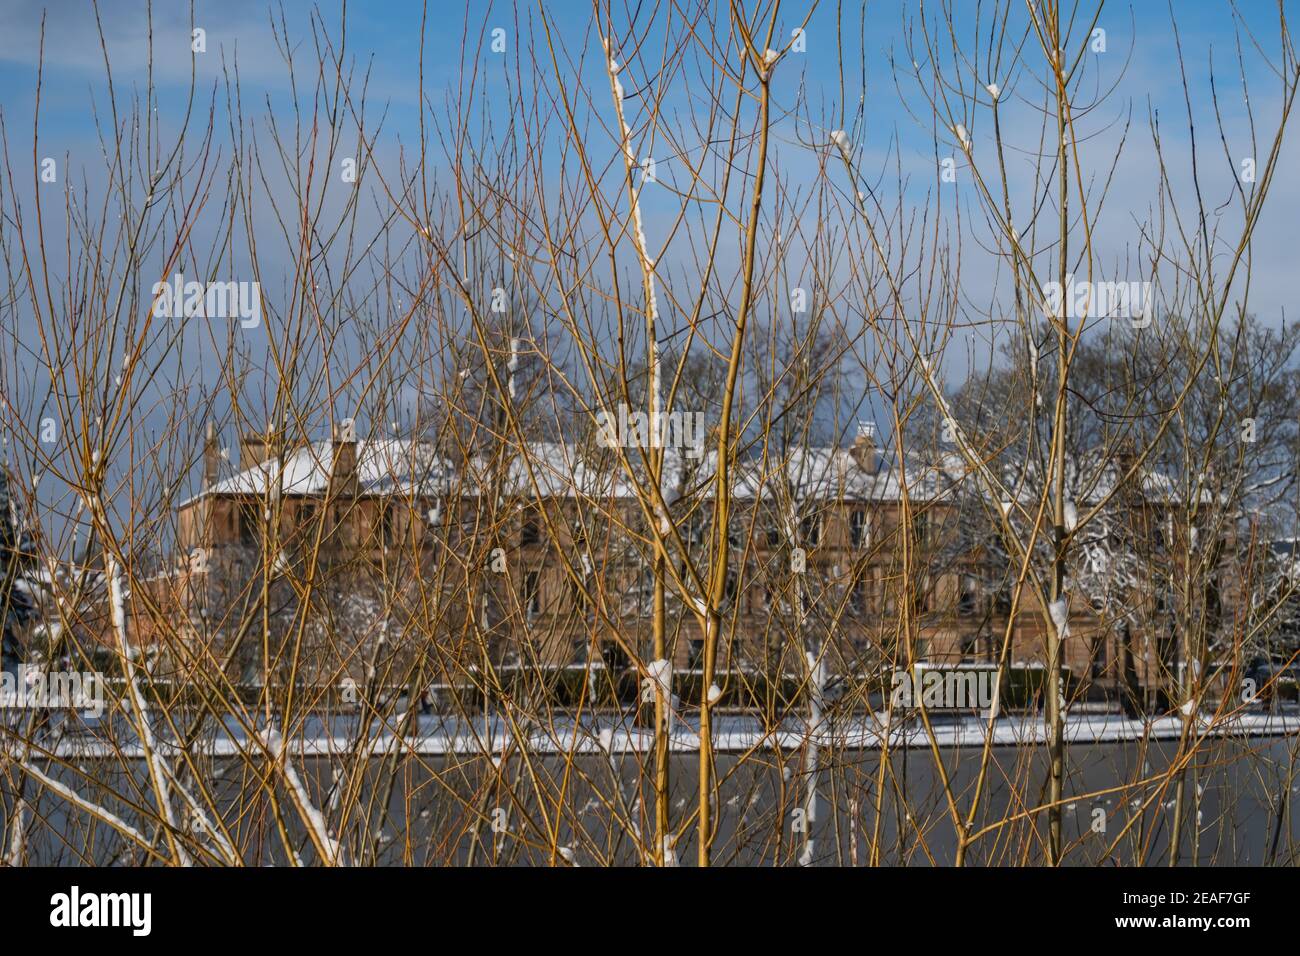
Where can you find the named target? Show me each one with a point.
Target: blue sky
(385, 39)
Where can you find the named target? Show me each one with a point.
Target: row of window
(247, 526)
(248, 519)
(865, 596)
(810, 530)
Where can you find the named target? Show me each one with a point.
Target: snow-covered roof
(383, 467)
(412, 467)
(1094, 479)
(559, 470)
(829, 472)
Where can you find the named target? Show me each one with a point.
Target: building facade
(362, 559)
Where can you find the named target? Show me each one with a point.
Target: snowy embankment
(317, 737)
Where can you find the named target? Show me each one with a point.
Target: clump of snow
(660, 674)
(1060, 614)
(670, 854)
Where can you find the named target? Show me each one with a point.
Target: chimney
(255, 449)
(865, 450)
(343, 462)
(211, 457)
(1124, 458)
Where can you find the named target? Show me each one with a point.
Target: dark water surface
(441, 809)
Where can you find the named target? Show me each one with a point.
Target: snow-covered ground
(607, 734)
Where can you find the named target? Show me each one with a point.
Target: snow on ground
(608, 734)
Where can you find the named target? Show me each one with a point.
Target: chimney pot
(343, 471)
(865, 450)
(211, 457)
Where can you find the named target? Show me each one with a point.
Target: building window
(579, 598)
(921, 595)
(1099, 660)
(860, 528)
(858, 597)
(1213, 600)
(921, 528)
(810, 530)
(530, 533)
(532, 594)
(696, 660)
(615, 658)
(968, 599)
(249, 532)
